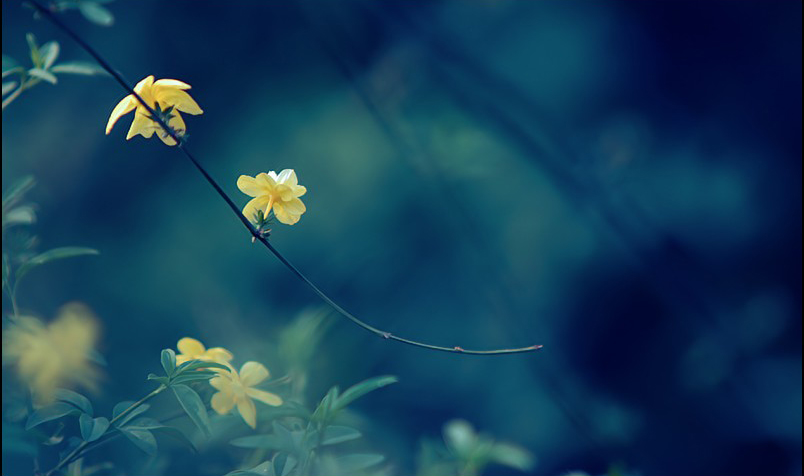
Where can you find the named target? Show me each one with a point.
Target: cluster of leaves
(92, 10)
(467, 453)
(301, 443)
(17, 78)
(19, 245)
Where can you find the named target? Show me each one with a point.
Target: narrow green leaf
(35, 56)
(49, 52)
(199, 364)
(193, 376)
(322, 413)
(78, 67)
(144, 423)
(50, 412)
(338, 434)
(263, 469)
(162, 380)
(193, 406)
(125, 405)
(79, 401)
(356, 391)
(270, 442)
(144, 439)
(7, 88)
(43, 75)
(96, 13)
(51, 255)
(358, 462)
(92, 428)
(169, 361)
(17, 191)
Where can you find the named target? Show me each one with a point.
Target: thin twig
(254, 232)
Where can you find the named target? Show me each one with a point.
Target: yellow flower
(271, 191)
(191, 349)
(237, 389)
(163, 93)
(47, 357)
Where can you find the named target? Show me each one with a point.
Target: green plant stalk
(256, 235)
(67, 459)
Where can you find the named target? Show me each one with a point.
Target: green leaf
(49, 52)
(193, 376)
(17, 191)
(283, 464)
(35, 56)
(338, 434)
(169, 361)
(96, 357)
(125, 405)
(76, 399)
(176, 434)
(50, 412)
(92, 428)
(199, 364)
(163, 380)
(43, 75)
(78, 67)
(460, 437)
(144, 439)
(96, 13)
(512, 456)
(193, 406)
(271, 442)
(323, 411)
(358, 462)
(263, 469)
(356, 391)
(51, 255)
(21, 215)
(8, 87)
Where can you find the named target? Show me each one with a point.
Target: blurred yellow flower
(160, 95)
(237, 389)
(191, 349)
(50, 356)
(271, 191)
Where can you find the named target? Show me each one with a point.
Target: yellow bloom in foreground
(279, 193)
(47, 357)
(191, 349)
(163, 93)
(237, 389)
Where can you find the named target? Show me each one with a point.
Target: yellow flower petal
(247, 410)
(178, 98)
(222, 402)
(259, 203)
(141, 125)
(282, 214)
(144, 85)
(294, 206)
(284, 192)
(128, 104)
(252, 373)
(249, 186)
(219, 354)
(190, 346)
(222, 382)
(265, 397)
(266, 181)
(171, 83)
(299, 190)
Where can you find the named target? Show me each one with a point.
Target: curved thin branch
(254, 233)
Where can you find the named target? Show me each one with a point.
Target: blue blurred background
(619, 181)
